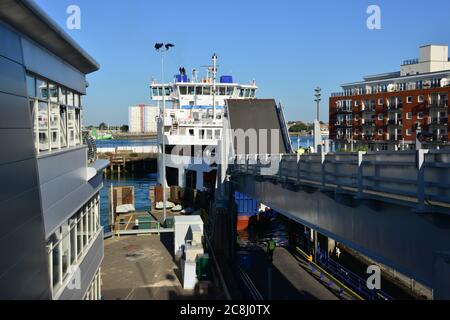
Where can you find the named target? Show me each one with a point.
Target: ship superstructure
(193, 123)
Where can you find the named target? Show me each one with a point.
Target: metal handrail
(391, 174)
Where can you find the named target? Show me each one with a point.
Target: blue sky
(289, 47)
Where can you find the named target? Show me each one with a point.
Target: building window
(70, 240)
(409, 115)
(420, 99)
(408, 132)
(420, 115)
(42, 90)
(380, 101)
(356, 103)
(56, 115)
(380, 116)
(380, 132)
(409, 99)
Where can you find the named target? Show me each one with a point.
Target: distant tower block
(142, 119)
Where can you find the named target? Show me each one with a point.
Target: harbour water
(141, 183)
(126, 143)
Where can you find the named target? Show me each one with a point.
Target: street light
(162, 48)
(317, 131)
(318, 96)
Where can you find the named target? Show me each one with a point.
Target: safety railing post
(298, 167)
(421, 179)
(323, 155)
(280, 166)
(247, 159)
(360, 172)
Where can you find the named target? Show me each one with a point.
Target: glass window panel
(76, 98)
(77, 126)
(42, 89)
(86, 229)
(62, 95)
(199, 90)
(230, 91)
(65, 247)
(160, 91)
(73, 244)
(53, 92)
(43, 125)
(70, 101)
(154, 92)
(207, 91)
(91, 221)
(63, 126)
(79, 234)
(31, 86)
(56, 263)
(191, 90)
(183, 90)
(222, 91)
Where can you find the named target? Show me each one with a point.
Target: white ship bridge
(193, 121)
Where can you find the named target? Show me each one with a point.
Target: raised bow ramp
(248, 118)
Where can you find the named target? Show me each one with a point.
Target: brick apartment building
(389, 111)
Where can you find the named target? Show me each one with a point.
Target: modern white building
(142, 119)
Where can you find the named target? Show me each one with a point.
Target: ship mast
(214, 72)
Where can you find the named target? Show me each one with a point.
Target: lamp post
(162, 48)
(317, 133)
(318, 98)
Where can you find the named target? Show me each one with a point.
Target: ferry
(193, 122)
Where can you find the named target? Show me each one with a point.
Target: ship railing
(421, 177)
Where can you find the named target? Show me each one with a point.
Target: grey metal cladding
(46, 64)
(12, 77)
(23, 270)
(13, 113)
(10, 44)
(70, 203)
(17, 177)
(88, 268)
(21, 148)
(60, 163)
(30, 20)
(23, 257)
(26, 206)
